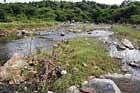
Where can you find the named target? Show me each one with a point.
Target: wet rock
(121, 47)
(73, 89)
(127, 43)
(62, 34)
(127, 83)
(12, 69)
(103, 86)
(89, 32)
(133, 64)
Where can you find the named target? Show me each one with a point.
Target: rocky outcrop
(12, 69)
(127, 43)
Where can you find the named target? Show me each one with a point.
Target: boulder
(127, 83)
(73, 89)
(103, 86)
(127, 43)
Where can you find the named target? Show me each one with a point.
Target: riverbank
(130, 32)
(12, 30)
(69, 63)
(74, 56)
(26, 24)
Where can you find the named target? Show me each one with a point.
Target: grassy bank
(9, 29)
(81, 58)
(129, 32)
(26, 24)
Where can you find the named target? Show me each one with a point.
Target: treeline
(127, 12)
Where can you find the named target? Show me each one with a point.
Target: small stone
(84, 83)
(63, 72)
(75, 69)
(91, 77)
(50, 92)
(73, 89)
(25, 88)
(102, 77)
(84, 64)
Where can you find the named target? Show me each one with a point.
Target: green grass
(129, 32)
(81, 58)
(26, 24)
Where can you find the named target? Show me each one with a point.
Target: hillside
(127, 12)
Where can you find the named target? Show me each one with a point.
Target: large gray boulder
(127, 83)
(103, 86)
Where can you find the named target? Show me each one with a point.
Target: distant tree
(127, 12)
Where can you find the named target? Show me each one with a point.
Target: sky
(99, 1)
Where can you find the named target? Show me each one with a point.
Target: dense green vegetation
(127, 12)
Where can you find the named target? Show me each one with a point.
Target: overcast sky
(99, 1)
